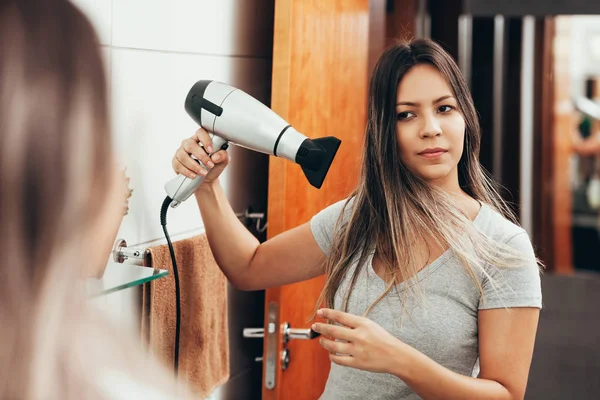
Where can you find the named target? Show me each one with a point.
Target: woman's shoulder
(323, 224)
(343, 204)
(331, 213)
(497, 226)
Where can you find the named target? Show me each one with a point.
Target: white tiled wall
(154, 52)
(148, 89)
(224, 27)
(584, 50)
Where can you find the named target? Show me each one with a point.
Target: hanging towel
(204, 343)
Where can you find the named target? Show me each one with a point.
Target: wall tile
(225, 27)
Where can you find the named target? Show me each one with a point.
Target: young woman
(61, 202)
(431, 291)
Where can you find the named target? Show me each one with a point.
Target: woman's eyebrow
(410, 103)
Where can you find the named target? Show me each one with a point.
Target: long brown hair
(392, 208)
(57, 178)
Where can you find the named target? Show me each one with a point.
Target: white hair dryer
(232, 116)
(587, 107)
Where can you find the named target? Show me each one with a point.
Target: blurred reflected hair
(56, 176)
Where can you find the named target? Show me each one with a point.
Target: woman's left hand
(365, 344)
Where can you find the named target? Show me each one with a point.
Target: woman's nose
(431, 127)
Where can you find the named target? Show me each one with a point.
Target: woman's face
(430, 128)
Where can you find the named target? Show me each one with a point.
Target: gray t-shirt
(442, 322)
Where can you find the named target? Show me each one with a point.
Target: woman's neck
(465, 202)
(449, 183)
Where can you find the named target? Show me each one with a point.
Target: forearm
(431, 380)
(586, 147)
(232, 245)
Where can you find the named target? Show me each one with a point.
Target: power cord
(163, 221)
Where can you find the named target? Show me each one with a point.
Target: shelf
(122, 276)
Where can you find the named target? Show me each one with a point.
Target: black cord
(163, 222)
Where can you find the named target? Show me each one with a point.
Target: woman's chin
(435, 173)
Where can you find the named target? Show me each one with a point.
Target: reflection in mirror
(580, 42)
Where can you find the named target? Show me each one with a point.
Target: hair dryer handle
(181, 187)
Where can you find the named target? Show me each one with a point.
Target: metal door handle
(296, 333)
(288, 333)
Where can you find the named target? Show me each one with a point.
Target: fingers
(202, 136)
(335, 347)
(198, 148)
(220, 157)
(334, 331)
(184, 164)
(190, 146)
(340, 317)
(346, 361)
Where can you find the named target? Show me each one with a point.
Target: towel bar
(121, 252)
(248, 214)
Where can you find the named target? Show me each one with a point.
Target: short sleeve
(323, 224)
(514, 286)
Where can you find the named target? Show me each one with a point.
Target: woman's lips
(433, 153)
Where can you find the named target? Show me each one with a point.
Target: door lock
(287, 332)
(285, 359)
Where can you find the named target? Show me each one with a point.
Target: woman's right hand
(183, 163)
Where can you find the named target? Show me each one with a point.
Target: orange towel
(204, 343)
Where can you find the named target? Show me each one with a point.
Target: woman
(431, 292)
(61, 202)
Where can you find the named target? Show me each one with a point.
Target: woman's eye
(404, 115)
(445, 109)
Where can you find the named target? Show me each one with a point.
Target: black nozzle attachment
(315, 157)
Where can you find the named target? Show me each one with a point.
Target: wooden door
(320, 58)
(562, 125)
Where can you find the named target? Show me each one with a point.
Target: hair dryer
(587, 107)
(233, 116)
